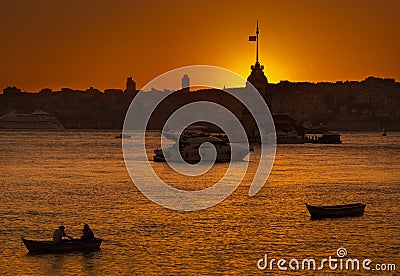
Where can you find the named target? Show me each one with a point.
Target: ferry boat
(326, 138)
(36, 120)
(289, 137)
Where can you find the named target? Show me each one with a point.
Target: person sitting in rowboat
(59, 233)
(87, 233)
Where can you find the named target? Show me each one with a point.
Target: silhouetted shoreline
(368, 105)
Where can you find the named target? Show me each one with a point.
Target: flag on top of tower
(252, 38)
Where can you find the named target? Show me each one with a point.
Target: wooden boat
(336, 211)
(64, 246)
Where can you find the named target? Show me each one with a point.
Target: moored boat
(289, 137)
(188, 150)
(325, 138)
(187, 147)
(65, 246)
(336, 211)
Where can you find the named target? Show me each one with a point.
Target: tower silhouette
(185, 82)
(257, 77)
(130, 85)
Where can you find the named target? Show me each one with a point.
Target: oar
(69, 237)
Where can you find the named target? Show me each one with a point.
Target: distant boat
(336, 211)
(326, 138)
(123, 136)
(64, 246)
(35, 120)
(289, 137)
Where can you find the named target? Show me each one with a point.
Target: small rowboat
(62, 247)
(336, 211)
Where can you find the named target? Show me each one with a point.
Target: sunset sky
(99, 43)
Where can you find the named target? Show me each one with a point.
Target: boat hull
(64, 246)
(192, 156)
(326, 138)
(195, 158)
(336, 211)
(159, 158)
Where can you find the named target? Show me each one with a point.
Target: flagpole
(257, 43)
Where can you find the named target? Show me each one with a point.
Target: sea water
(76, 177)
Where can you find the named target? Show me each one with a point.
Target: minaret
(257, 77)
(130, 85)
(185, 82)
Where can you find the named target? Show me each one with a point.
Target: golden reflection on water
(71, 178)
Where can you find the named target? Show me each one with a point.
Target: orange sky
(99, 43)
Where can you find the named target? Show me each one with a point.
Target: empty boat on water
(62, 247)
(336, 211)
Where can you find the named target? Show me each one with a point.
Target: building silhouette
(11, 90)
(130, 85)
(185, 82)
(371, 104)
(257, 77)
